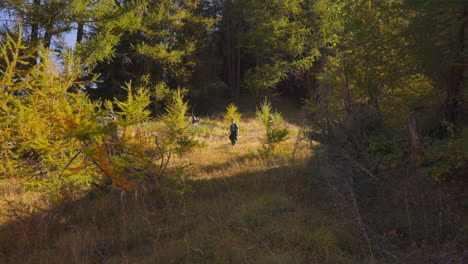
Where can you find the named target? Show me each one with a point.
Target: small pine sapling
(134, 109)
(276, 132)
(177, 133)
(232, 113)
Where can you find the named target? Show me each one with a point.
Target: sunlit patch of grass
(204, 128)
(17, 202)
(220, 159)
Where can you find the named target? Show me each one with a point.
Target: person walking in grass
(234, 131)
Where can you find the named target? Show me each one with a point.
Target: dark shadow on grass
(104, 226)
(401, 208)
(227, 164)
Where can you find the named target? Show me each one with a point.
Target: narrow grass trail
(237, 207)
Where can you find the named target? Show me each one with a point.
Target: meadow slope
(236, 207)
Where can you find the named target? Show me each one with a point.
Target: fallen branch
(361, 167)
(358, 216)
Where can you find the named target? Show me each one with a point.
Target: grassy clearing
(241, 207)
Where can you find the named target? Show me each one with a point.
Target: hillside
(353, 143)
(238, 208)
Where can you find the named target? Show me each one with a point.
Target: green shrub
(448, 158)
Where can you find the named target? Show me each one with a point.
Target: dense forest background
(371, 51)
(95, 95)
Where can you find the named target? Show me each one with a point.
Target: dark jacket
(234, 128)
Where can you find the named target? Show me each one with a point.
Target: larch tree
(160, 44)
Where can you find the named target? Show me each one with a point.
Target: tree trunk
(34, 24)
(232, 52)
(456, 74)
(48, 37)
(79, 33)
(310, 87)
(238, 71)
(229, 63)
(347, 88)
(34, 31)
(416, 145)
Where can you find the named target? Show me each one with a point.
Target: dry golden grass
(17, 202)
(218, 158)
(241, 208)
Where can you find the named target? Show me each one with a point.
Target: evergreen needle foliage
(60, 142)
(275, 130)
(383, 82)
(177, 125)
(232, 113)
